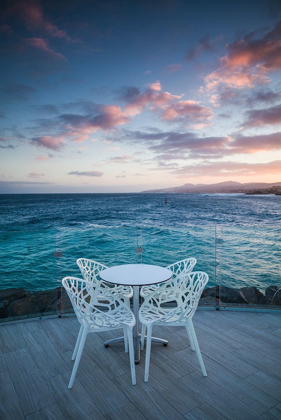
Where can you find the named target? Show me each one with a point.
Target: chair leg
(127, 301)
(78, 356)
(190, 338)
(142, 335)
(77, 343)
(197, 348)
(148, 351)
(129, 333)
(125, 339)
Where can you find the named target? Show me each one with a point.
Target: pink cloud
(248, 61)
(49, 142)
(31, 13)
(43, 45)
(187, 111)
(151, 96)
(42, 158)
(121, 159)
(35, 175)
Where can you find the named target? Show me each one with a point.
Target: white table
(136, 275)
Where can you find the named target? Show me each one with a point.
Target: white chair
(90, 271)
(185, 293)
(178, 268)
(97, 310)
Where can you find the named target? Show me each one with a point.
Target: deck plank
(10, 408)
(107, 396)
(32, 390)
(240, 351)
(74, 403)
(53, 412)
(11, 338)
(225, 403)
(268, 383)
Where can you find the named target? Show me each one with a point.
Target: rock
(12, 294)
(208, 301)
(231, 295)
(271, 290)
(35, 303)
(250, 294)
(3, 305)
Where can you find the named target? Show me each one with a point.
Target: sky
(125, 96)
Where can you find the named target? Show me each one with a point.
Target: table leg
(136, 333)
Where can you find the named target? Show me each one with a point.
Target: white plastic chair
(178, 268)
(90, 271)
(185, 292)
(97, 310)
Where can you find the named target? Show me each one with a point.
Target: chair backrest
(190, 288)
(90, 302)
(182, 267)
(90, 269)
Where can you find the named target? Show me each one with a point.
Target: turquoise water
(236, 239)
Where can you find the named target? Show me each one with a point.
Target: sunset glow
(126, 96)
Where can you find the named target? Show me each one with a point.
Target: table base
(137, 345)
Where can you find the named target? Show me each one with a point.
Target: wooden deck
(241, 350)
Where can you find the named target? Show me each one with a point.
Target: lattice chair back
(182, 267)
(95, 305)
(185, 292)
(90, 269)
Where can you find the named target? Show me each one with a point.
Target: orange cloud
(248, 61)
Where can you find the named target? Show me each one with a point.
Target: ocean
(236, 238)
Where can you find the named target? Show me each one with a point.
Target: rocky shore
(20, 303)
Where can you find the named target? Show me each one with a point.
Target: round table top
(135, 274)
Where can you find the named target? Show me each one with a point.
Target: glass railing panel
(28, 273)
(166, 245)
(249, 266)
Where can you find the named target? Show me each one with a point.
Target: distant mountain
(221, 187)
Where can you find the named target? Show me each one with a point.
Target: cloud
(254, 144)
(49, 142)
(266, 96)
(89, 173)
(262, 117)
(17, 92)
(205, 45)
(43, 157)
(178, 145)
(121, 159)
(174, 145)
(230, 169)
(106, 117)
(30, 11)
(248, 61)
(173, 68)
(187, 111)
(7, 147)
(42, 45)
(152, 96)
(35, 175)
